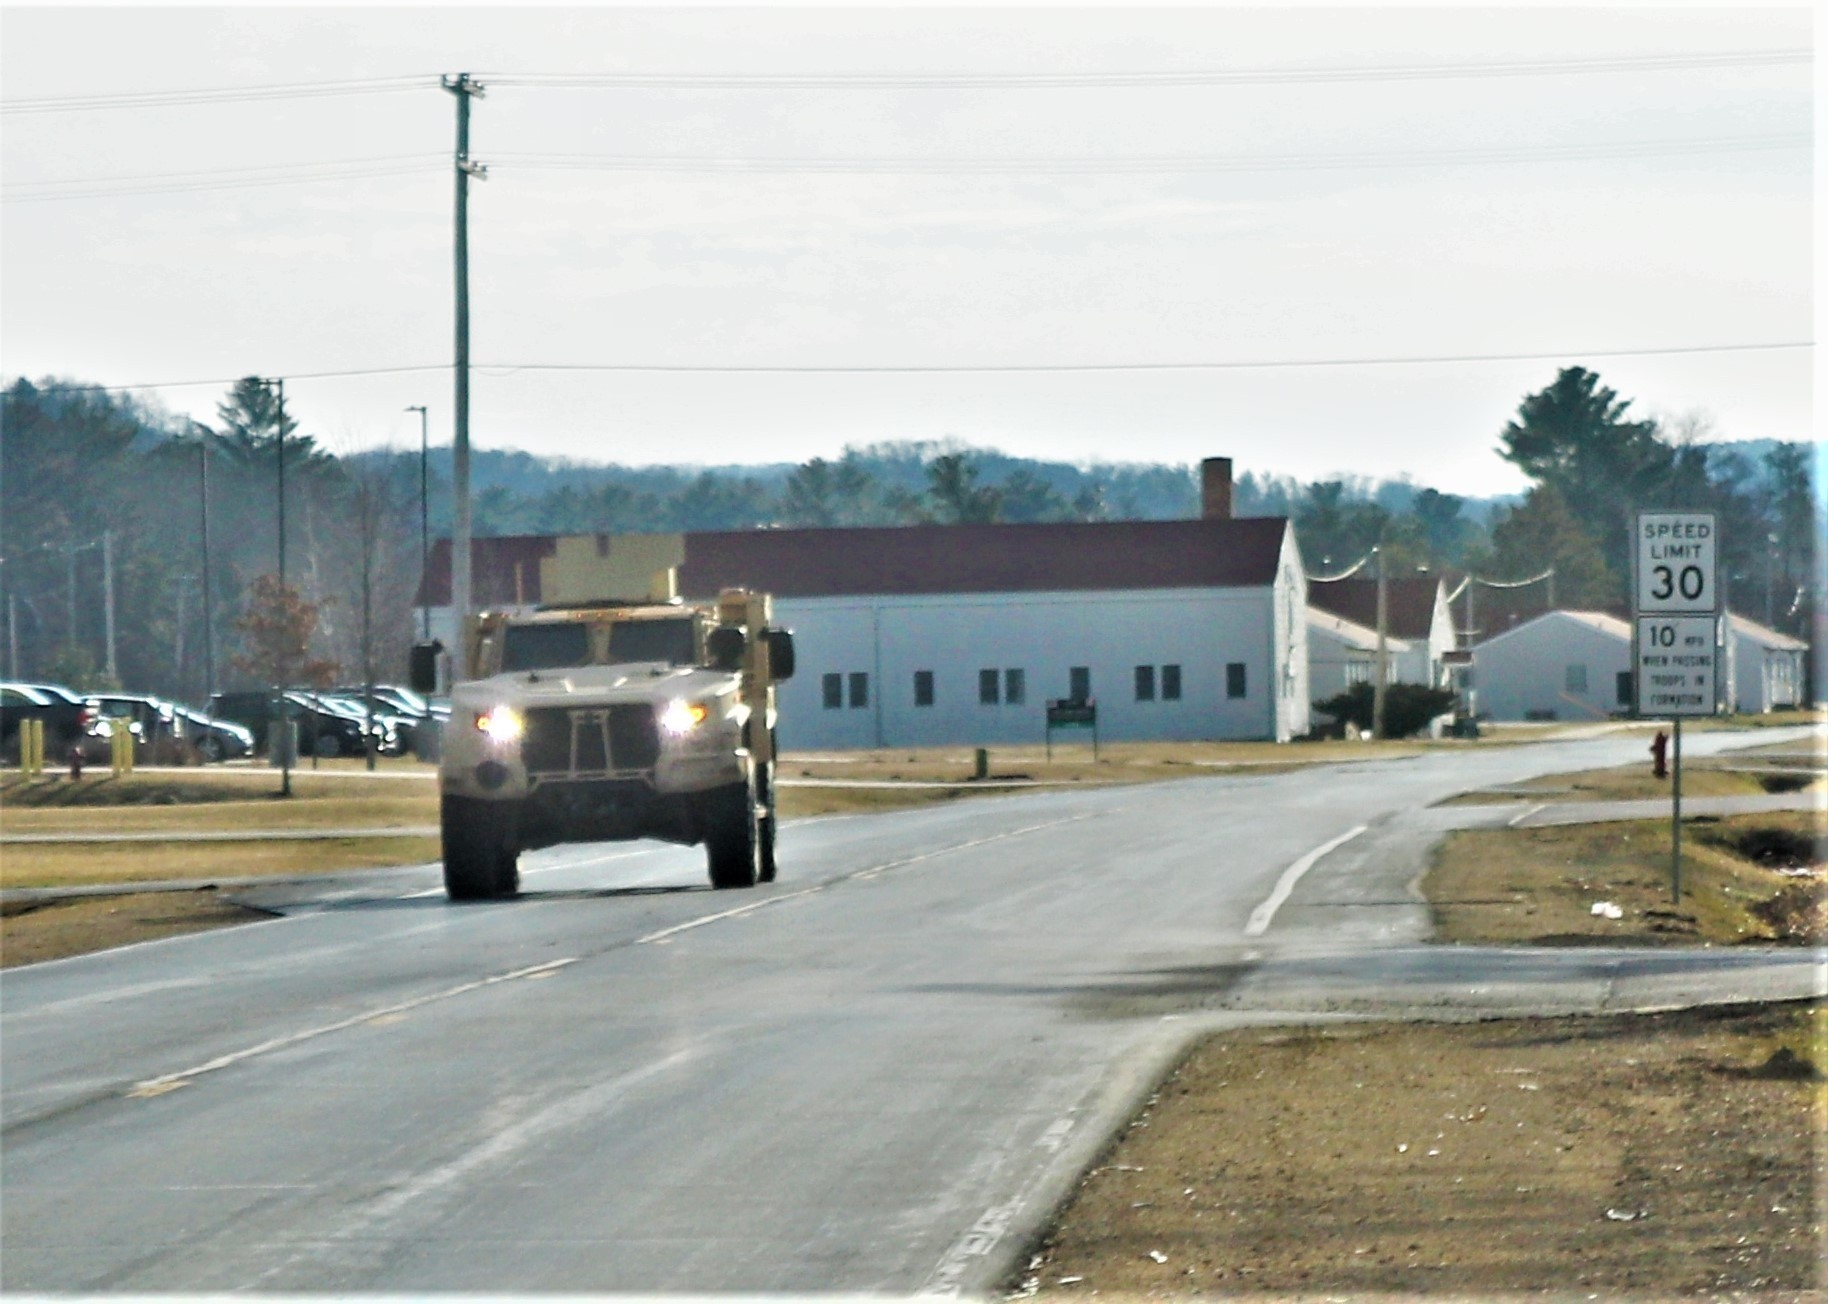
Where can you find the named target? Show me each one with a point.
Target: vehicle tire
(764, 823)
(728, 816)
(210, 748)
(327, 746)
(481, 849)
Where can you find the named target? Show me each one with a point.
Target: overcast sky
(1145, 229)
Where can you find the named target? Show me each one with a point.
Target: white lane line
(170, 1081)
(860, 875)
(1258, 923)
(1515, 820)
(983, 1236)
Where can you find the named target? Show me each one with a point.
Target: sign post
(1070, 713)
(1675, 634)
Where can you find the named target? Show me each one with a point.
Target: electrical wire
(1189, 77)
(1186, 164)
(1612, 64)
(219, 95)
(223, 179)
(502, 370)
(419, 164)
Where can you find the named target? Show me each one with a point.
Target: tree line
(97, 487)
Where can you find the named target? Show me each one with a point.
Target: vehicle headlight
(680, 717)
(503, 724)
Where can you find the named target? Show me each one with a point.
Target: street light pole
(425, 547)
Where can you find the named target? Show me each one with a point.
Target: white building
(1765, 667)
(960, 634)
(1343, 652)
(1563, 665)
(1418, 624)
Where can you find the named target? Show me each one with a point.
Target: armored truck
(609, 720)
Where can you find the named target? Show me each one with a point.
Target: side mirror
(724, 648)
(780, 652)
(422, 667)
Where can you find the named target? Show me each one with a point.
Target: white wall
(1764, 677)
(1043, 635)
(1525, 670)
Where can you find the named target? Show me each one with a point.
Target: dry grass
(1632, 1157)
(1539, 885)
(54, 929)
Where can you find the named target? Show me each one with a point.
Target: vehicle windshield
(652, 640)
(545, 647)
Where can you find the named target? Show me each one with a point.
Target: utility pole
(463, 88)
(209, 636)
(425, 532)
(280, 723)
(1383, 646)
(114, 677)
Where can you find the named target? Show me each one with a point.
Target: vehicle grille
(590, 740)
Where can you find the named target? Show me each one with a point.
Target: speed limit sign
(1675, 564)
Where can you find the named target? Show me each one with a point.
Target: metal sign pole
(1675, 834)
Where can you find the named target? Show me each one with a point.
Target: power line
(219, 95)
(1679, 62)
(1184, 164)
(417, 164)
(221, 179)
(507, 369)
(1187, 77)
(1098, 367)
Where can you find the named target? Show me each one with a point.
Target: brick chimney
(1215, 489)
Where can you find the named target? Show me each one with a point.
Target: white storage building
(961, 634)
(1563, 665)
(1766, 667)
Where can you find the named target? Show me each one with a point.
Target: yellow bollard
(120, 745)
(31, 748)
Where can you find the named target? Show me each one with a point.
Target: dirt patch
(1613, 1158)
(53, 930)
(1612, 883)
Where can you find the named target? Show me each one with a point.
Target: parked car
(216, 740)
(322, 730)
(66, 715)
(153, 721)
(404, 710)
(388, 727)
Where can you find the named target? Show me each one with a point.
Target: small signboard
(1675, 556)
(1674, 672)
(1071, 713)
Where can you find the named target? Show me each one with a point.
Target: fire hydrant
(1659, 755)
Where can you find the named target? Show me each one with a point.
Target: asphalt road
(875, 1075)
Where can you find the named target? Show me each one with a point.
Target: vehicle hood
(590, 685)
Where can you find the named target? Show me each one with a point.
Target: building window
(1171, 683)
(1015, 687)
(1145, 683)
(1234, 679)
(923, 688)
(1357, 672)
(987, 683)
(1079, 684)
(860, 689)
(833, 686)
(1577, 678)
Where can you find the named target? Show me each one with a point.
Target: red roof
(917, 559)
(1409, 603)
